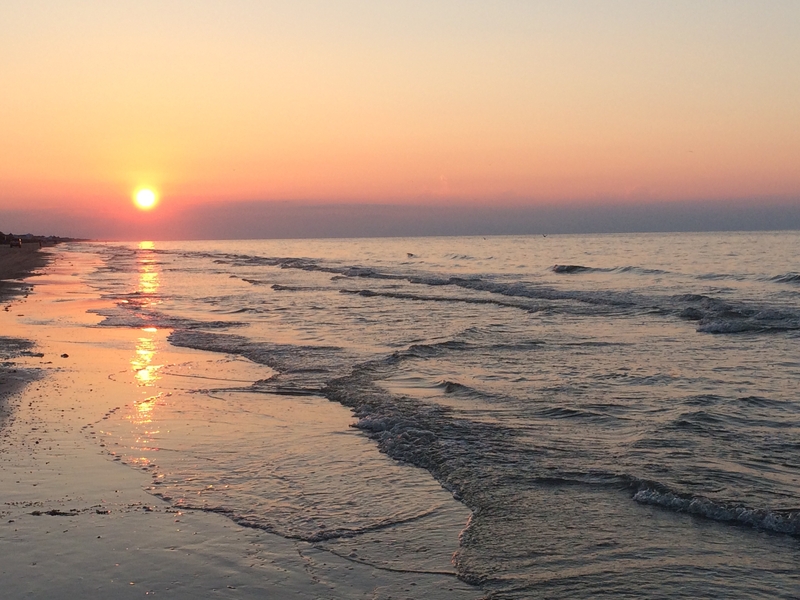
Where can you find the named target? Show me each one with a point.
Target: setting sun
(145, 199)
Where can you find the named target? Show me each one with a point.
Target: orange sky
(436, 101)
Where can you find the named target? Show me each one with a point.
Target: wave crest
(787, 278)
(777, 521)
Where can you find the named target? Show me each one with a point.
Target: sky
(252, 118)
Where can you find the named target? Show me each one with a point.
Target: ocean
(598, 416)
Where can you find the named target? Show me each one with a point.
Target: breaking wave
(712, 314)
(785, 521)
(571, 269)
(787, 278)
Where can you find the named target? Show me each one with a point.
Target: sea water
(618, 413)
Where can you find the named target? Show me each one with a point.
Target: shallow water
(618, 412)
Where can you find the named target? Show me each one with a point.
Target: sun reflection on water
(143, 365)
(142, 434)
(149, 276)
(144, 361)
(143, 411)
(146, 373)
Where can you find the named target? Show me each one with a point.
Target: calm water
(620, 413)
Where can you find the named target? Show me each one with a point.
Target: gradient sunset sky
(220, 106)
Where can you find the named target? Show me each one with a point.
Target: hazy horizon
(291, 220)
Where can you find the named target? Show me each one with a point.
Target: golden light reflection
(143, 362)
(143, 410)
(142, 417)
(146, 372)
(148, 283)
(149, 276)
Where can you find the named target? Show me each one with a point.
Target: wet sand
(75, 522)
(16, 263)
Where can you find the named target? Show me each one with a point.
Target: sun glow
(145, 198)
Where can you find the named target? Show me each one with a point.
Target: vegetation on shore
(29, 238)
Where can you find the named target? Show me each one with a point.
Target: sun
(145, 198)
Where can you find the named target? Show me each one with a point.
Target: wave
(425, 435)
(712, 314)
(530, 291)
(783, 521)
(513, 289)
(642, 270)
(431, 350)
(239, 311)
(137, 319)
(279, 287)
(302, 370)
(453, 387)
(720, 316)
(571, 269)
(721, 277)
(760, 402)
(460, 257)
(654, 493)
(626, 269)
(432, 438)
(786, 278)
(755, 324)
(462, 454)
(703, 400)
(564, 412)
(302, 264)
(427, 298)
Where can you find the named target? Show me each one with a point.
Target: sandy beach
(80, 517)
(15, 264)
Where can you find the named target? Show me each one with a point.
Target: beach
(15, 264)
(77, 523)
(506, 418)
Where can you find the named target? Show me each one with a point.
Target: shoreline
(80, 510)
(16, 265)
